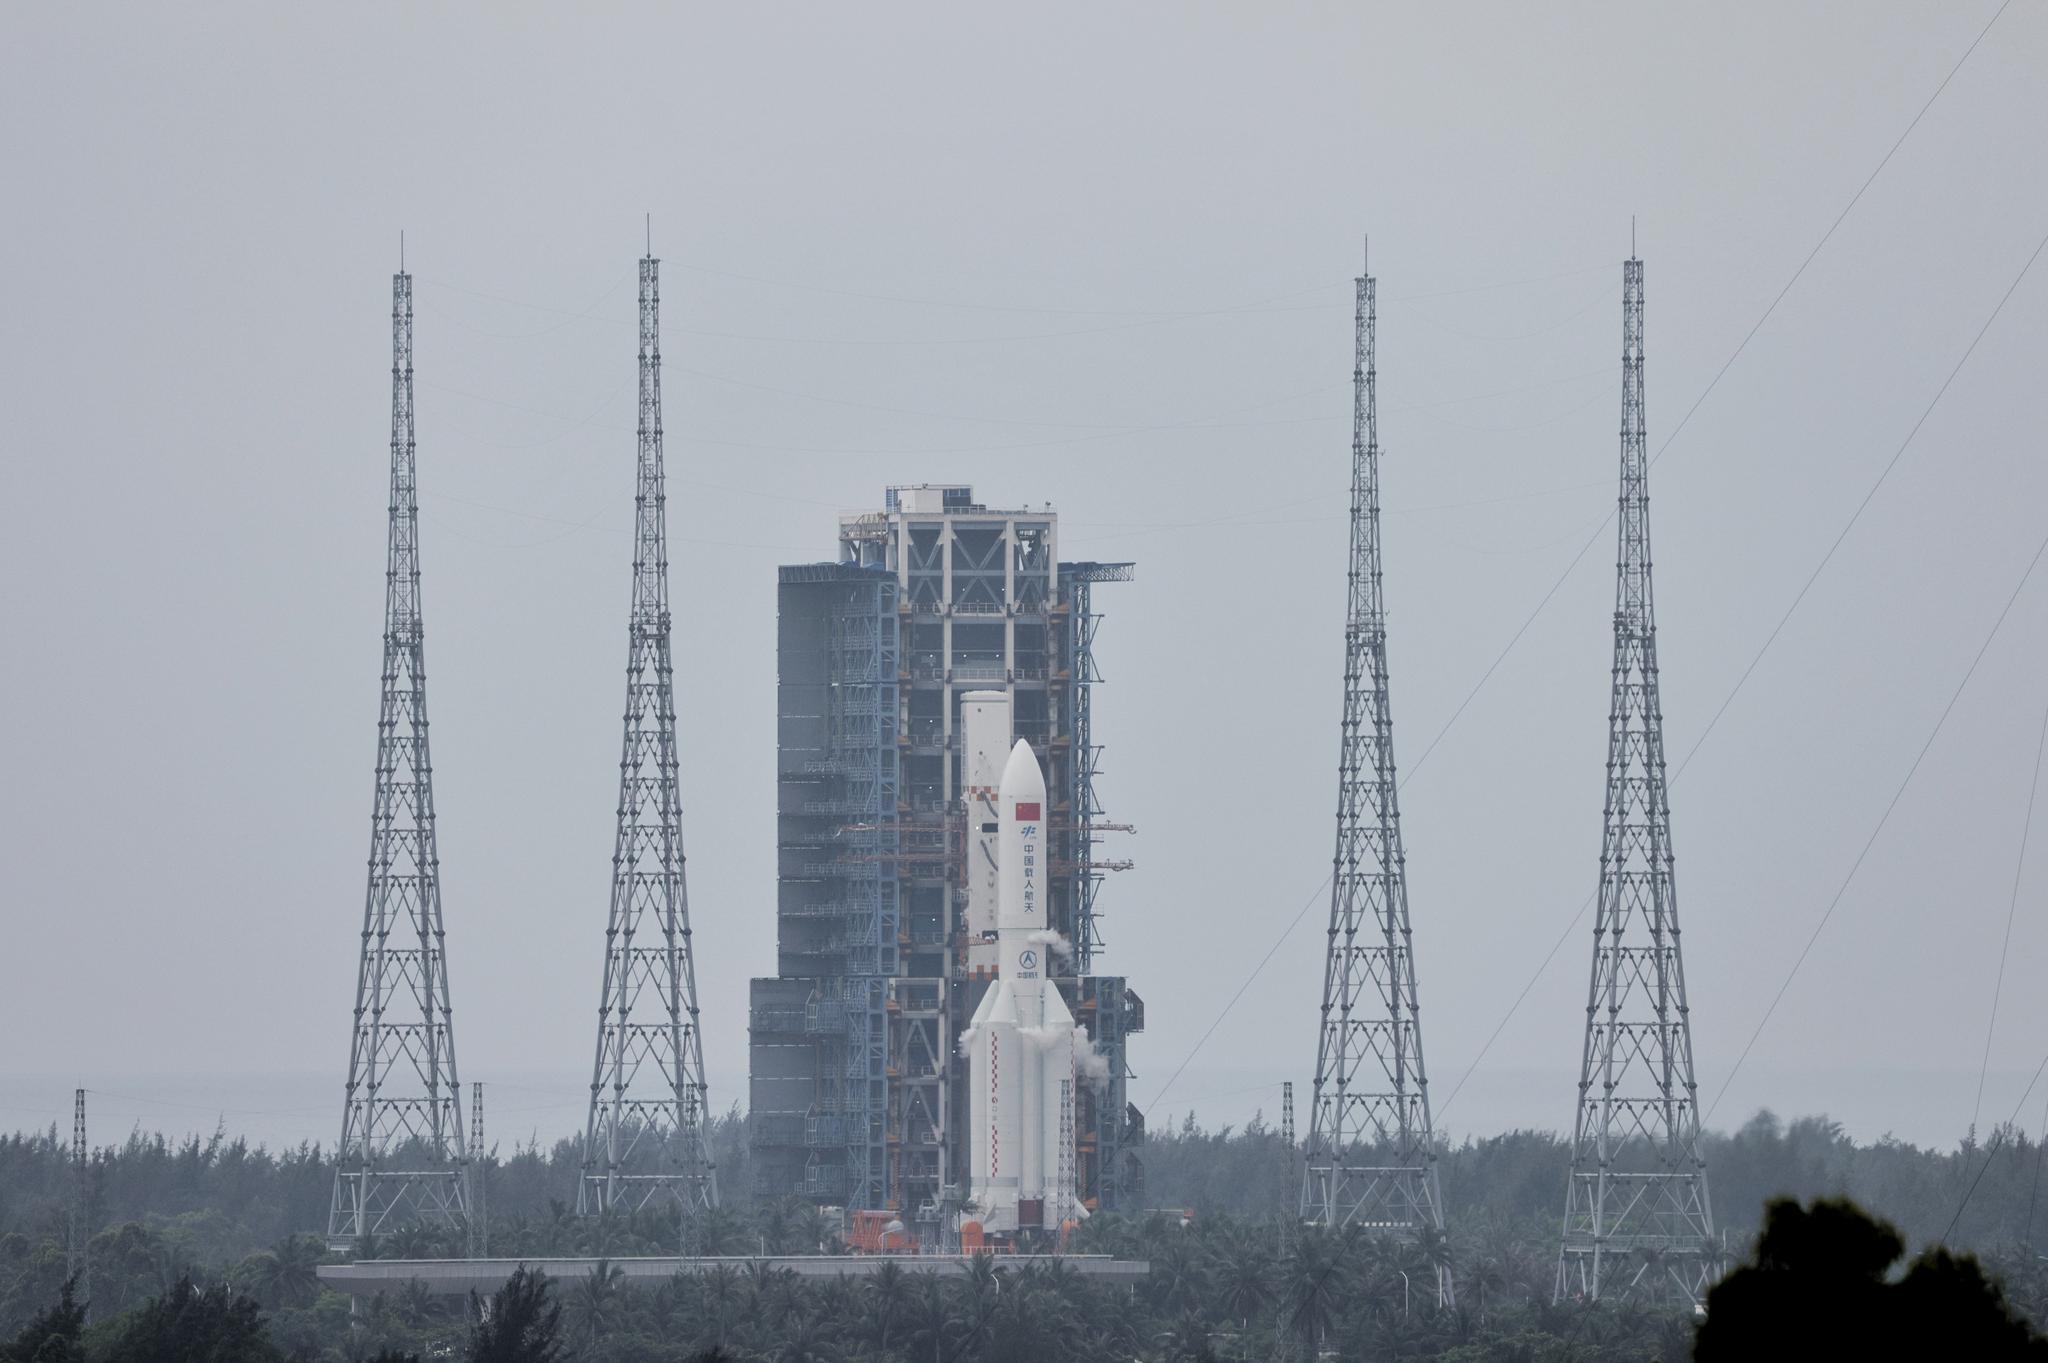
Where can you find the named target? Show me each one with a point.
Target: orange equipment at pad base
(879, 1232)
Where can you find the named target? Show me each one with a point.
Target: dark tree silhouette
(54, 1336)
(521, 1325)
(191, 1324)
(1821, 1287)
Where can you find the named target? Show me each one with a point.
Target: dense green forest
(184, 1235)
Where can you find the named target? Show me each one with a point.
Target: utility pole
(479, 1173)
(1637, 1223)
(645, 1137)
(78, 1243)
(401, 1159)
(1371, 1155)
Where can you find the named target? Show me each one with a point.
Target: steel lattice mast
(1637, 1217)
(402, 1158)
(78, 1239)
(479, 1169)
(645, 1139)
(1371, 1149)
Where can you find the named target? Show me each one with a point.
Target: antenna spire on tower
(645, 1138)
(1637, 1218)
(1371, 1153)
(402, 1158)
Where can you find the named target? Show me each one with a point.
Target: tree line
(210, 1237)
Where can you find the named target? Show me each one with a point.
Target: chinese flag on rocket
(1027, 811)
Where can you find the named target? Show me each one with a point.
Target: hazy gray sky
(1100, 257)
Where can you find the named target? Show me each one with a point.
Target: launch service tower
(907, 669)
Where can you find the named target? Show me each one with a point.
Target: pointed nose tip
(1022, 778)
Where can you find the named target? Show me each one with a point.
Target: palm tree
(1187, 1341)
(888, 1288)
(522, 1325)
(410, 1242)
(294, 1280)
(415, 1305)
(1433, 1248)
(1314, 1285)
(593, 1305)
(982, 1277)
(1179, 1280)
(721, 1300)
(559, 1233)
(930, 1318)
(809, 1229)
(775, 1228)
(1247, 1287)
(1485, 1277)
(806, 1339)
(835, 1297)
(719, 1231)
(766, 1285)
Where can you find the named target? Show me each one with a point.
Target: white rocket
(1021, 1045)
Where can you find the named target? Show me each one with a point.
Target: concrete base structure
(460, 1277)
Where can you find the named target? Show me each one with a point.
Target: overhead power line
(1577, 558)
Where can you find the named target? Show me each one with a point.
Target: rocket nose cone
(1022, 779)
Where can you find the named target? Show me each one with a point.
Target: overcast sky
(1101, 257)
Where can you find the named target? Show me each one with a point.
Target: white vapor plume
(1091, 1064)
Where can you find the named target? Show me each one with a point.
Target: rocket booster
(1020, 1045)
(985, 748)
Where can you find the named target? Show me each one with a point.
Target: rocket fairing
(1021, 1044)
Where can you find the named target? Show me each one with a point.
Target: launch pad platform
(459, 1277)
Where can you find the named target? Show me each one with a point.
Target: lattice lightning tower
(78, 1237)
(645, 1139)
(1371, 1153)
(1637, 1219)
(479, 1169)
(402, 1158)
